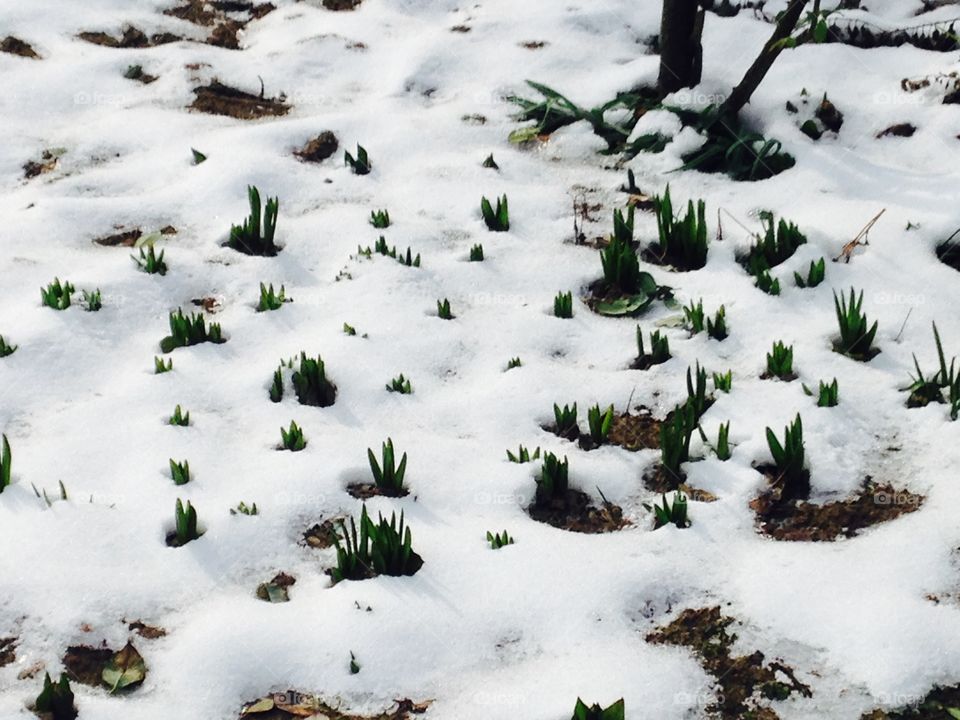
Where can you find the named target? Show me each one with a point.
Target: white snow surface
(525, 630)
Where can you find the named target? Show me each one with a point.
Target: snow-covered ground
(522, 631)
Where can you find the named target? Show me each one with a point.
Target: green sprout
(566, 420)
(252, 238)
(380, 219)
(553, 483)
(856, 334)
(382, 548)
(179, 472)
(92, 300)
(6, 349)
(563, 305)
(443, 310)
(778, 243)
(659, 349)
(401, 385)
(600, 423)
(513, 363)
(186, 331)
(723, 442)
(682, 243)
(310, 383)
(159, 366)
(186, 524)
(56, 700)
(523, 455)
(388, 477)
(789, 460)
(594, 712)
(292, 439)
(150, 262)
(499, 540)
(271, 300)
(724, 382)
(476, 253)
(780, 361)
(57, 296)
(180, 418)
(668, 513)
(827, 395)
(276, 387)
(359, 164)
(675, 434)
(6, 464)
(497, 220)
(244, 509)
(814, 277)
(767, 283)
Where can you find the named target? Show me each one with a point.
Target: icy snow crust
(526, 629)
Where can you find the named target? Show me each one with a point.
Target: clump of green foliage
(724, 382)
(443, 310)
(179, 472)
(359, 164)
(276, 387)
(563, 305)
(92, 300)
(682, 242)
(496, 218)
(553, 483)
(621, 268)
(856, 334)
(827, 394)
(697, 396)
(767, 283)
(777, 244)
(271, 300)
(476, 253)
(310, 383)
(668, 513)
(600, 423)
(186, 524)
(161, 366)
(179, 418)
(582, 711)
(815, 275)
(186, 331)
(380, 219)
(150, 262)
(56, 700)
(381, 548)
(780, 361)
(57, 296)
(697, 321)
(925, 390)
(722, 447)
(252, 237)
(6, 349)
(523, 455)
(499, 540)
(659, 350)
(292, 439)
(675, 434)
(243, 509)
(792, 475)
(388, 477)
(401, 385)
(513, 363)
(565, 420)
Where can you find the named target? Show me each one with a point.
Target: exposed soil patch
(782, 378)
(226, 29)
(744, 680)
(636, 432)
(365, 491)
(341, 4)
(319, 148)
(933, 707)
(149, 632)
(16, 46)
(293, 704)
(795, 519)
(219, 99)
(127, 238)
(48, 162)
(898, 130)
(85, 664)
(571, 433)
(226, 35)
(323, 534)
(659, 479)
(533, 44)
(135, 72)
(8, 651)
(949, 254)
(132, 37)
(939, 38)
(577, 514)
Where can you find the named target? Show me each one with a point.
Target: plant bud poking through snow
(682, 243)
(497, 219)
(499, 540)
(271, 300)
(57, 296)
(311, 384)
(389, 477)
(56, 699)
(359, 164)
(856, 335)
(5, 349)
(382, 548)
(185, 526)
(594, 712)
(815, 275)
(292, 439)
(186, 331)
(150, 262)
(670, 513)
(563, 305)
(252, 238)
(380, 219)
(792, 475)
(6, 464)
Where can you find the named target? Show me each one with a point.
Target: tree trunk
(761, 66)
(681, 54)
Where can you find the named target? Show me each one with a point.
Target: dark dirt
(219, 99)
(571, 433)
(798, 520)
(322, 534)
(744, 680)
(276, 589)
(636, 432)
(319, 148)
(48, 162)
(341, 4)
(660, 480)
(899, 130)
(149, 632)
(226, 35)
(949, 254)
(933, 707)
(127, 238)
(135, 72)
(577, 514)
(132, 37)
(828, 114)
(293, 704)
(940, 39)
(8, 651)
(533, 44)
(16, 46)
(85, 664)
(365, 491)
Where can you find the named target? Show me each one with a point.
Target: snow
(528, 628)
